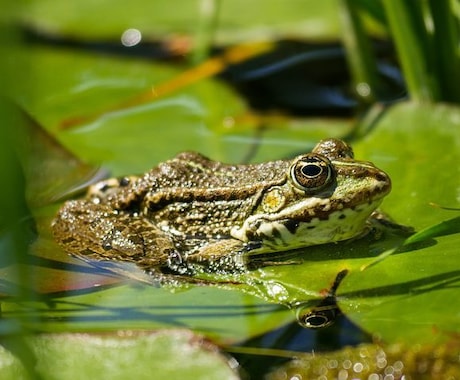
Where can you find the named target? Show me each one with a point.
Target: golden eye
(312, 172)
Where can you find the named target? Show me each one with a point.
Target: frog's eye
(312, 172)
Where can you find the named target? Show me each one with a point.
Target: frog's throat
(282, 234)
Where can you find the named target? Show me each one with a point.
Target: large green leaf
(134, 139)
(175, 354)
(224, 315)
(410, 296)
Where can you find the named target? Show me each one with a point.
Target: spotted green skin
(191, 211)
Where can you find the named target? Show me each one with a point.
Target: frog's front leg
(96, 231)
(275, 234)
(222, 256)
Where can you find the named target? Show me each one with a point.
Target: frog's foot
(378, 219)
(177, 263)
(380, 225)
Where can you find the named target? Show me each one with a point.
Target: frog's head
(327, 197)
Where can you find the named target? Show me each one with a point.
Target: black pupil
(311, 170)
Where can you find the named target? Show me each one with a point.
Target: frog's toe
(177, 263)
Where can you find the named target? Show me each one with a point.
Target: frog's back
(195, 196)
(193, 170)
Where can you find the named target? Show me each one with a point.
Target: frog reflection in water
(191, 212)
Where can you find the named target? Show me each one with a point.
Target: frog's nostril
(382, 177)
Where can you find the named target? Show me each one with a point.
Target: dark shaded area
(304, 78)
(293, 337)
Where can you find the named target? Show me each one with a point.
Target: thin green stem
(405, 20)
(359, 53)
(445, 41)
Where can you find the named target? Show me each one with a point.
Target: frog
(191, 213)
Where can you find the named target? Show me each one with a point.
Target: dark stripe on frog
(275, 235)
(291, 225)
(161, 199)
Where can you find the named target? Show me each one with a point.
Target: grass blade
(405, 19)
(445, 40)
(360, 56)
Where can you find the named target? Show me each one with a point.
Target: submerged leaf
(367, 361)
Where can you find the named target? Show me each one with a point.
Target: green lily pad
(225, 315)
(134, 139)
(411, 295)
(170, 354)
